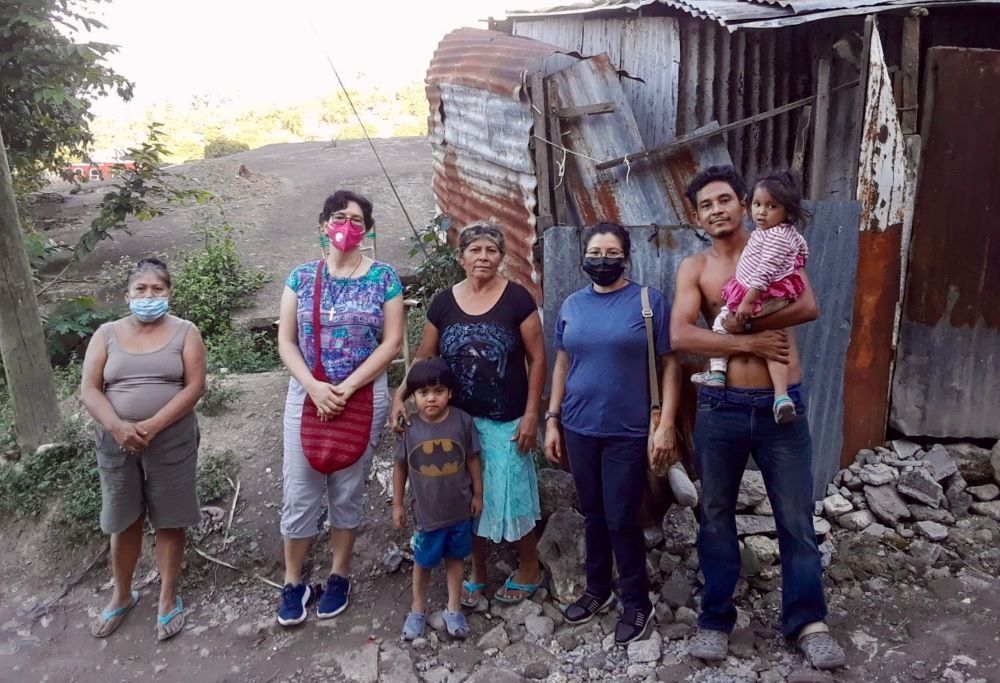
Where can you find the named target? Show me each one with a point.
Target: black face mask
(604, 270)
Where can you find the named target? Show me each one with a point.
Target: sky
(272, 51)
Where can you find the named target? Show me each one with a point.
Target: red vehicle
(98, 170)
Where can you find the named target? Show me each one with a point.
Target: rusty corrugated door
(947, 380)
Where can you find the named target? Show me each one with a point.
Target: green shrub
(240, 350)
(211, 282)
(440, 269)
(223, 147)
(214, 474)
(217, 397)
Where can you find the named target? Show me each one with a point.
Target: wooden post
(543, 191)
(22, 342)
(801, 140)
(911, 64)
(821, 117)
(560, 206)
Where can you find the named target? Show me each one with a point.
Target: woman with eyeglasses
(360, 332)
(598, 417)
(488, 331)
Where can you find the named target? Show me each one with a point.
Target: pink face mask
(344, 235)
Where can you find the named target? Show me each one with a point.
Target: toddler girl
(767, 277)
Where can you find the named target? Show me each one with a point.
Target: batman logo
(437, 457)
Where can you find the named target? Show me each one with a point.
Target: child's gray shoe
(413, 627)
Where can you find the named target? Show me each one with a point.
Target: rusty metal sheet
(947, 380)
(480, 127)
(881, 186)
(639, 194)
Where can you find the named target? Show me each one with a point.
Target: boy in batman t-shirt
(439, 455)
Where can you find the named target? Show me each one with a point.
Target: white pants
(304, 488)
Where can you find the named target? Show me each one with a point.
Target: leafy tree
(47, 82)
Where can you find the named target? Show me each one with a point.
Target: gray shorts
(305, 490)
(160, 482)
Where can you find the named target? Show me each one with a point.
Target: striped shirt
(770, 255)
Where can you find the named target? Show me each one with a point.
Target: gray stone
(827, 550)
(676, 591)
(750, 525)
(877, 475)
(539, 626)
(810, 676)
(664, 615)
(764, 549)
(674, 673)
(821, 527)
(653, 537)
(940, 462)
(752, 491)
(919, 485)
(991, 509)
(922, 513)
(567, 640)
(537, 671)
(562, 551)
(436, 621)
(395, 666)
(360, 664)
(686, 615)
(857, 520)
(933, 530)
(638, 671)
(973, 462)
(524, 653)
(438, 674)
(675, 631)
(669, 562)
(836, 505)
(864, 457)
(496, 638)
(741, 643)
(517, 613)
(644, 651)
(958, 499)
(985, 492)
(492, 674)
(995, 461)
(904, 449)
(556, 491)
(877, 530)
(680, 530)
(764, 508)
(886, 504)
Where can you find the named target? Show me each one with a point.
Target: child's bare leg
(421, 579)
(454, 569)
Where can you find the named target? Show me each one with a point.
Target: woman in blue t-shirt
(487, 329)
(600, 398)
(360, 332)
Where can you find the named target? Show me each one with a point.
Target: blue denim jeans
(731, 425)
(610, 478)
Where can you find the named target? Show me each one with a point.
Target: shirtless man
(736, 421)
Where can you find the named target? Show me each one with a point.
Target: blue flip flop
(108, 615)
(161, 621)
(527, 588)
(472, 588)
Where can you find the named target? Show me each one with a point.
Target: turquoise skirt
(510, 485)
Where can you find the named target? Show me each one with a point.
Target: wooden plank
(738, 97)
(820, 129)
(910, 60)
(771, 69)
(802, 140)
(585, 110)
(543, 189)
(870, 24)
(560, 207)
(22, 342)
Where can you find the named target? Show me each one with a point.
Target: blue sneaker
(333, 600)
(293, 604)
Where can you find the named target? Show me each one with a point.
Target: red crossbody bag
(338, 443)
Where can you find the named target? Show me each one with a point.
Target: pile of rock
(909, 491)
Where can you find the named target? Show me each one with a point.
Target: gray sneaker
(822, 651)
(712, 646)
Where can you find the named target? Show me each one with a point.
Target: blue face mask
(149, 310)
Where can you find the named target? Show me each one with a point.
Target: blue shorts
(453, 542)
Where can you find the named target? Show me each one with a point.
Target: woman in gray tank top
(142, 377)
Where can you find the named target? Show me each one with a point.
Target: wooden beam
(685, 140)
(859, 115)
(22, 342)
(543, 190)
(802, 140)
(585, 110)
(818, 160)
(910, 60)
(560, 207)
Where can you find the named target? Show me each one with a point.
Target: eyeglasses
(607, 253)
(356, 221)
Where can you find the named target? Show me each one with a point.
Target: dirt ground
(894, 630)
(276, 208)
